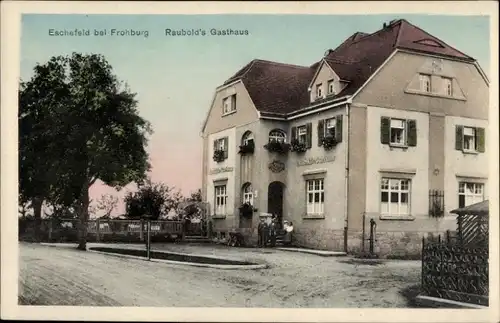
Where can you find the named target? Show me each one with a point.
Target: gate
(196, 218)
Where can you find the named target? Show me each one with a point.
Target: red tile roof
(281, 89)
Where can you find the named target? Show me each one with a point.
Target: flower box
(277, 147)
(298, 147)
(329, 142)
(247, 149)
(246, 210)
(219, 156)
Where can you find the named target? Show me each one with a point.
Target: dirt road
(65, 276)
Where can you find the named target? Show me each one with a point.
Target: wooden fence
(109, 230)
(457, 267)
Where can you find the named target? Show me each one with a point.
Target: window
(229, 104)
(331, 87)
(425, 83)
(330, 127)
(319, 90)
(247, 138)
(277, 136)
(302, 134)
(470, 193)
(395, 196)
(221, 149)
(448, 86)
(315, 196)
(469, 139)
(248, 193)
(398, 132)
(220, 199)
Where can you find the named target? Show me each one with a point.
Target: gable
(323, 73)
(245, 112)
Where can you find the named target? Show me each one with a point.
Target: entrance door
(275, 201)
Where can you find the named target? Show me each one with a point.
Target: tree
(155, 199)
(96, 130)
(195, 196)
(106, 204)
(39, 102)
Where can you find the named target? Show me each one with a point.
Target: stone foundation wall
(391, 244)
(327, 239)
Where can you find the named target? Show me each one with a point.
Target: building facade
(389, 126)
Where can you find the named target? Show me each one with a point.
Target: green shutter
(309, 135)
(412, 132)
(233, 102)
(385, 130)
(215, 145)
(338, 128)
(459, 137)
(294, 133)
(226, 139)
(321, 132)
(480, 140)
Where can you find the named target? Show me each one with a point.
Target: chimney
(385, 25)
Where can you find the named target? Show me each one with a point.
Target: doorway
(275, 201)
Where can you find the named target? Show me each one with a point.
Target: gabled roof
(281, 89)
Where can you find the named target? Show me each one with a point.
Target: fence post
(422, 264)
(141, 233)
(97, 230)
(50, 230)
(448, 236)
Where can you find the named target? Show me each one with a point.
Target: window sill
(313, 216)
(229, 113)
(470, 152)
(218, 216)
(397, 217)
(398, 146)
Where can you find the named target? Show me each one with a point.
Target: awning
(481, 208)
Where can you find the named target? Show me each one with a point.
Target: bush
(277, 147)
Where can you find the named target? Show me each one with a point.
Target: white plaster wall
(469, 167)
(334, 181)
(229, 162)
(324, 75)
(380, 156)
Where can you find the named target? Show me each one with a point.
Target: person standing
(260, 231)
(272, 231)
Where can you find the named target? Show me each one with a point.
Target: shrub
(218, 156)
(329, 142)
(277, 147)
(298, 147)
(247, 149)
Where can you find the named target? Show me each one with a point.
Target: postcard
(257, 162)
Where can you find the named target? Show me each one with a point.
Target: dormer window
(425, 83)
(229, 104)
(448, 86)
(319, 91)
(331, 87)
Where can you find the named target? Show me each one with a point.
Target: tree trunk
(83, 215)
(37, 212)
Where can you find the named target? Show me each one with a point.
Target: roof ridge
(337, 60)
(417, 27)
(278, 63)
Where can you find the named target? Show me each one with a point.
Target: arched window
(248, 193)
(247, 138)
(277, 136)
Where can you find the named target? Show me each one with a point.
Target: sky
(175, 76)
